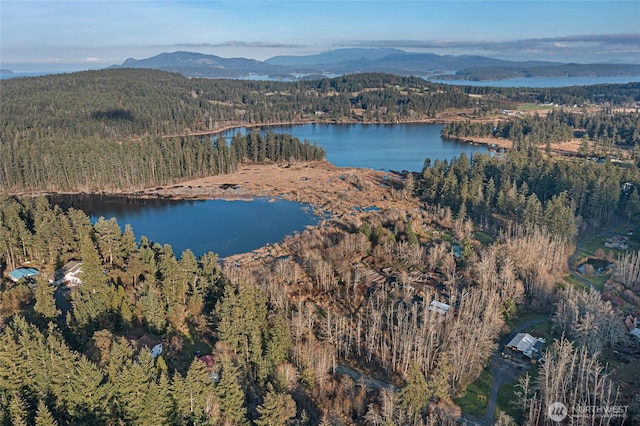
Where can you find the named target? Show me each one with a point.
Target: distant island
(352, 61)
(563, 70)
(5, 71)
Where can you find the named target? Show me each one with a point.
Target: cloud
(236, 43)
(630, 40)
(91, 59)
(585, 47)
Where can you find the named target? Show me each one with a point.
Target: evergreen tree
(18, 410)
(276, 410)
(91, 302)
(230, 394)
(132, 385)
(195, 395)
(558, 216)
(151, 310)
(278, 346)
(86, 395)
(415, 395)
(159, 407)
(242, 322)
(45, 303)
(43, 416)
(533, 213)
(109, 237)
(439, 384)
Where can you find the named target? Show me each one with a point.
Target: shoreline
(345, 192)
(445, 118)
(162, 191)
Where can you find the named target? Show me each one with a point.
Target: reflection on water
(224, 227)
(378, 146)
(231, 227)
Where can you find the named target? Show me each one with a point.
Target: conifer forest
(400, 315)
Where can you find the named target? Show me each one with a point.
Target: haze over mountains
(350, 61)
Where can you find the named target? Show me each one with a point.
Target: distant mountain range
(351, 61)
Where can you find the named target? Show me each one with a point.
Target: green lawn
(533, 107)
(526, 316)
(470, 403)
(484, 238)
(575, 282)
(506, 396)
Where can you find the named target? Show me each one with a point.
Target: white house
(68, 275)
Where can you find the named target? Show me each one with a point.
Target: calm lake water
(231, 227)
(379, 146)
(224, 227)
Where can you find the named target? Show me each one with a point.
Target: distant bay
(542, 82)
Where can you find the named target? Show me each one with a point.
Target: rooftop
(17, 274)
(439, 307)
(527, 344)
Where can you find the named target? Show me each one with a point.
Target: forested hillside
(114, 129)
(341, 324)
(533, 190)
(604, 130)
(128, 128)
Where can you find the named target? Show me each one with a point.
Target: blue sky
(72, 35)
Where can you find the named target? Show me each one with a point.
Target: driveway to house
(503, 371)
(575, 274)
(361, 377)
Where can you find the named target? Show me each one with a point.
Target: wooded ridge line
(107, 130)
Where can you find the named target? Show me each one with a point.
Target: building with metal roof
(527, 345)
(20, 273)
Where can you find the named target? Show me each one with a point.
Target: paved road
(368, 380)
(575, 274)
(502, 372)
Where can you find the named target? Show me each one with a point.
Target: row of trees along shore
(110, 165)
(532, 189)
(602, 128)
(112, 129)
